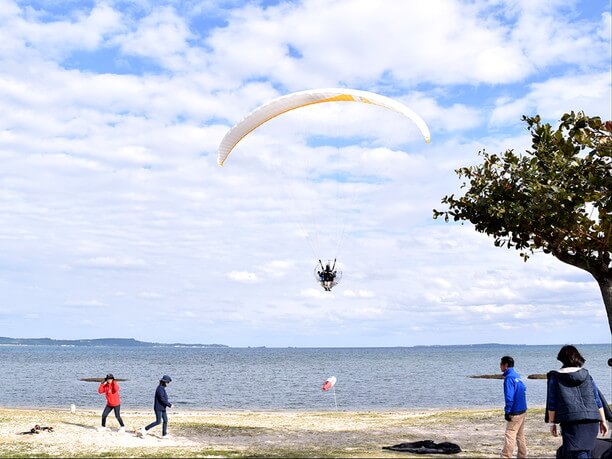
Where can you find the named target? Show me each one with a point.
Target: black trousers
(159, 417)
(106, 412)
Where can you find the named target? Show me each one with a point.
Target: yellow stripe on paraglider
(339, 98)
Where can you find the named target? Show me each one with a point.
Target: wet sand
(228, 433)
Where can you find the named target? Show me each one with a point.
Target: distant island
(469, 345)
(119, 342)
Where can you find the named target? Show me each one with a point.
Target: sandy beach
(225, 433)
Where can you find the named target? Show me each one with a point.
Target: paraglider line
(345, 223)
(285, 182)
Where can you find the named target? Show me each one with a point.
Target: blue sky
(116, 222)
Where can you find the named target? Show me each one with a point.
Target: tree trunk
(605, 284)
(603, 276)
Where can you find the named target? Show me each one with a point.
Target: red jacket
(111, 390)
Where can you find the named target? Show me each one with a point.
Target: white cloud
(242, 276)
(606, 26)
(277, 268)
(150, 295)
(510, 111)
(85, 303)
(551, 98)
(56, 38)
(359, 294)
(161, 35)
(105, 262)
(450, 42)
(550, 34)
(583, 92)
(317, 293)
(454, 118)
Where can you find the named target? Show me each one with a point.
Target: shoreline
(176, 406)
(264, 433)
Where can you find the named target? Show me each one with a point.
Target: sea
(376, 379)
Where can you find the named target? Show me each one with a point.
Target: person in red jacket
(110, 388)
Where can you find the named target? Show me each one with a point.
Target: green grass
(450, 416)
(26, 451)
(303, 453)
(218, 430)
(20, 451)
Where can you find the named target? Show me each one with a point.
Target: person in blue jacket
(515, 409)
(574, 401)
(159, 406)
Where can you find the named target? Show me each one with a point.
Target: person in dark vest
(159, 406)
(515, 409)
(573, 401)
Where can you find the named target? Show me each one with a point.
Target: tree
(555, 198)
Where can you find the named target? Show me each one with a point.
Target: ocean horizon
(285, 378)
(134, 342)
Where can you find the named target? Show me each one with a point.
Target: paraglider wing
(329, 383)
(299, 99)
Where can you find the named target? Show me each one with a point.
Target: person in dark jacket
(327, 276)
(515, 409)
(573, 401)
(110, 388)
(159, 406)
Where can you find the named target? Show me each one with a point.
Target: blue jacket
(161, 399)
(514, 392)
(573, 396)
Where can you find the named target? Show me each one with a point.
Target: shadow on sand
(84, 426)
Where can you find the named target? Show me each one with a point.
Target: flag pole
(335, 401)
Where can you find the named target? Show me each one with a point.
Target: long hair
(570, 357)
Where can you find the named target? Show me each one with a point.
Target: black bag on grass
(426, 447)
